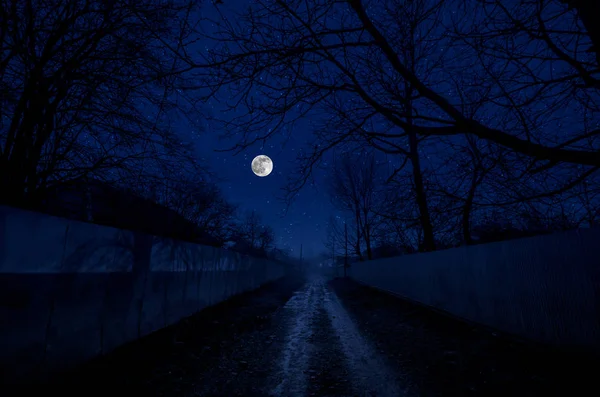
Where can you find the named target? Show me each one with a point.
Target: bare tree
(249, 229)
(87, 92)
(266, 238)
(198, 200)
(459, 183)
(478, 179)
(303, 65)
(355, 188)
(588, 195)
(537, 63)
(391, 75)
(284, 60)
(334, 237)
(400, 220)
(252, 236)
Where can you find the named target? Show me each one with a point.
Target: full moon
(262, 165)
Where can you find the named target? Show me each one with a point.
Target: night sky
(304, 222)
(305, 219)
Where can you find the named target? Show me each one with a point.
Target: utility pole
(346, 256)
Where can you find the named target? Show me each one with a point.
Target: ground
(326, 338)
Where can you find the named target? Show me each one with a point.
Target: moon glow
(262, 165)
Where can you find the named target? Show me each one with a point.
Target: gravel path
(317, 338)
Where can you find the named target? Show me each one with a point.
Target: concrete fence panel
(70, 290)
(543, 288)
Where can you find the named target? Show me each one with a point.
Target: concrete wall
(544, 288)
(70, 291)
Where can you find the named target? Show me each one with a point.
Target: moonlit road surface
(367, 372)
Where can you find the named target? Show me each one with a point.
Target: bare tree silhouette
(348, 59)
(251, 236)
(510, 89)
(355, 186)
(80, 81)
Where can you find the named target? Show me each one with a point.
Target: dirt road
(318, 338)
(323, 353)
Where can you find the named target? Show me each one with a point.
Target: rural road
(321, 337)
(317, 337)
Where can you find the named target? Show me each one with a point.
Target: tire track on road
(325, 354)
(368, 371)
(291, 380)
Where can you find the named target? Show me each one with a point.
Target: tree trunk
(466, 216)
(358, 235)
(368, 240)
(421, 197)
